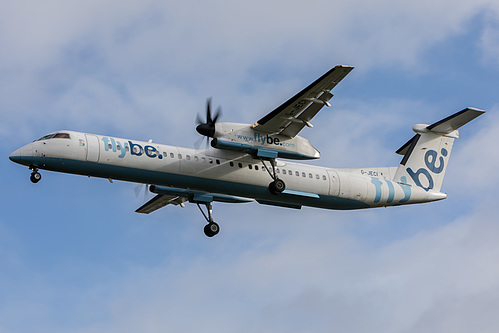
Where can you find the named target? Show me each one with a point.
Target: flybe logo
(434, 164)
(111, 144)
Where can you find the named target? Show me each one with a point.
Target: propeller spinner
(208, 128)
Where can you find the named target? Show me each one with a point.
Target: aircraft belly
(240, 185)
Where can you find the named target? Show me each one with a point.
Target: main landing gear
(212, 228)
(277, 186)
(35, 175)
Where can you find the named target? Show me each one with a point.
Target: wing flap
(294, 114)
(304, 118)
(159, 201)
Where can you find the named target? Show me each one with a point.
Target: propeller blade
(218, 114)
(199, 121)
(142, 187)
(208, 128)
(208, 111)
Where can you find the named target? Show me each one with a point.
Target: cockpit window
(61, 136)
(55, 136)
(46, 137)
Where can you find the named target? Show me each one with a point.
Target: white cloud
(198, 50)
(433, 281)
(474, 165)
(490, 38)
(147, 67)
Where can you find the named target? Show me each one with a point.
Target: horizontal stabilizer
(427, 154)
(452, 123)
(444, 127)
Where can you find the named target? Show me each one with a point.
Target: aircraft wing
(159, 201)
(177, 196)
(290, 118)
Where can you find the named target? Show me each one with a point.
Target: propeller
(208, 128)
(142, 188)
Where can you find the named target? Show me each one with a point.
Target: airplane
(255, 162)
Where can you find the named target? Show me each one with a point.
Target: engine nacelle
(243, 138)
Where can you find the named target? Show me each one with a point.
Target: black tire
(277, 186)
(35, 177)
(211, 229)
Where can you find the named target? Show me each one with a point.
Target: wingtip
(345, 66)
(475, 109)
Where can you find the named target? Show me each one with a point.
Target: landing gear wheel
(277, 186)
(35, 177)
(211, 229)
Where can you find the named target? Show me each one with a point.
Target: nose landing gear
(35, 175)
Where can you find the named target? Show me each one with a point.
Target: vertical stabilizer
(427, 154)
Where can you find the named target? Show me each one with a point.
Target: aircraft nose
(16, 156)
(22, 155)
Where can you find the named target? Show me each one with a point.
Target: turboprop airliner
(248, 162)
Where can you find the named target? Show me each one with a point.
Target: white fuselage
(219, 171)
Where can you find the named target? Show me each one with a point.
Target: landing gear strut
(212, 228)
(277, 186)
(35, 175)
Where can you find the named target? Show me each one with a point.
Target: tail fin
(426, 155)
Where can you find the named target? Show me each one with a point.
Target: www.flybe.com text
(265, 139)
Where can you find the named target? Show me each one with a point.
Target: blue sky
(75, 257)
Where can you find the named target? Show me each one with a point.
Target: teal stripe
(192, 182)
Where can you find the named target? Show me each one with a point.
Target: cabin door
(92, 148)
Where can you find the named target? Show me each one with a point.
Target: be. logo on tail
(430, 159)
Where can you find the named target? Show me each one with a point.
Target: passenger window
(283, 171)
(324, 177)
(211, 161)
(203, 159)
(290, 172)
(196, 158)
(179, 156)
(218, 161)
(297, 174)
(240, 165)
(231, 163)
(310, 175)
(188, 157)
(316, 176)
(110, 146)
(303, 174)
(256, 167)
(165, 155)
(172, 155)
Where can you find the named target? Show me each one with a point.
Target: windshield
(54, 136)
